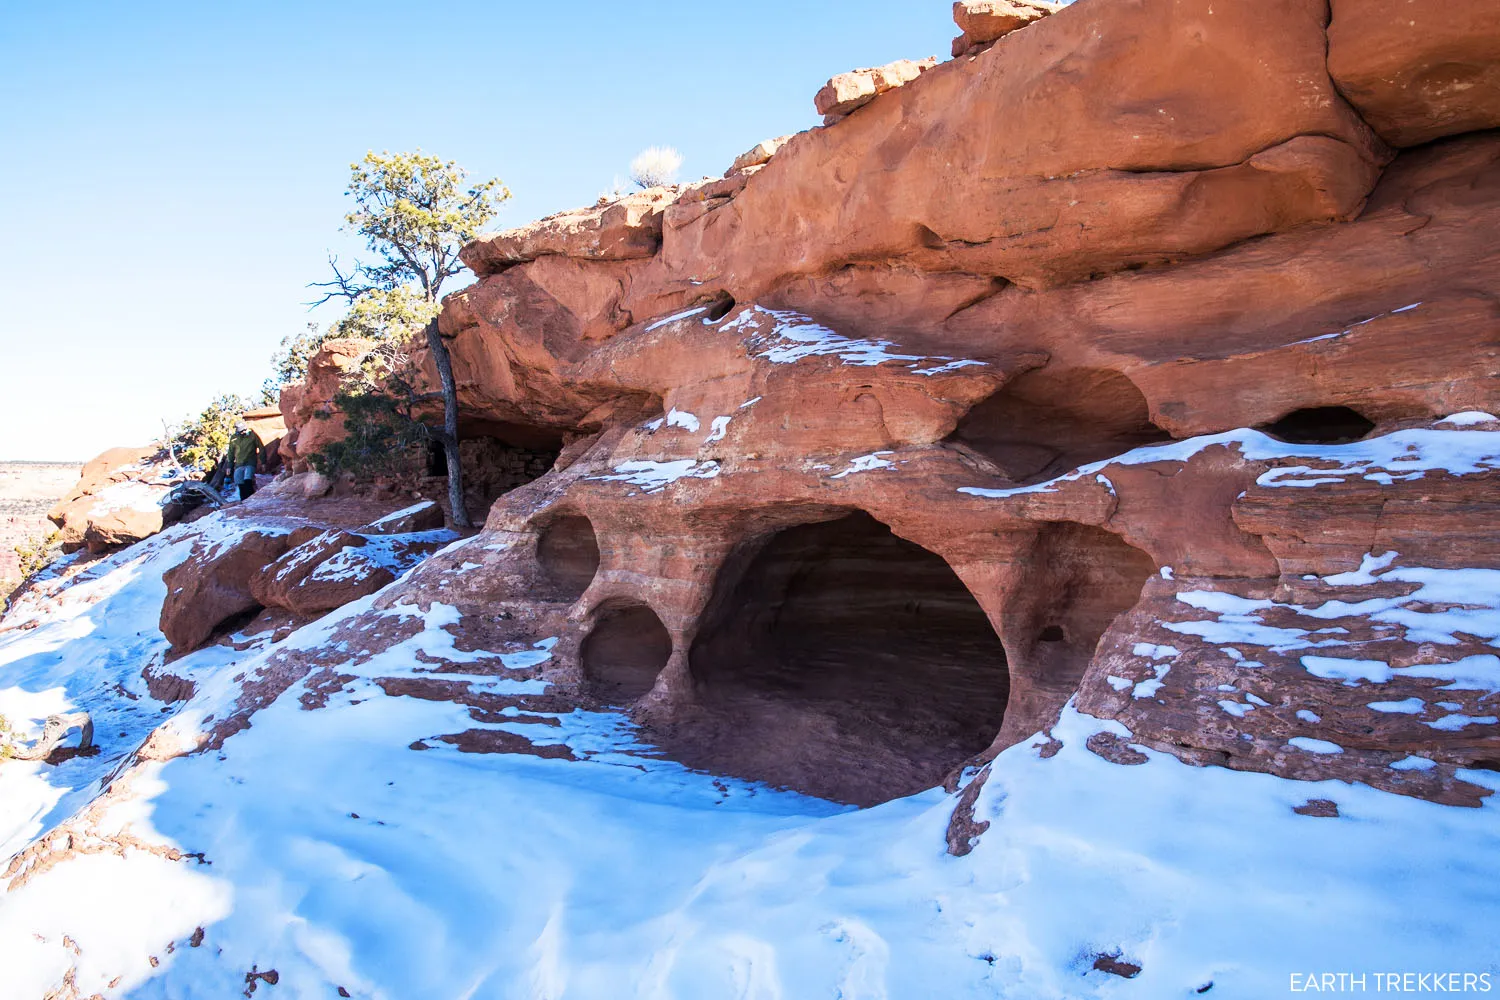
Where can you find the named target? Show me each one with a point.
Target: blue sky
(172, 174)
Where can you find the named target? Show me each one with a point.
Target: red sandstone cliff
(1118, 395)
(1123, 224)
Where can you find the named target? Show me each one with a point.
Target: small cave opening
(1321, 425)
(719, 307)
(845, 662)
(567, 552)
(1050, 421)
(437, 459)
(624, 652)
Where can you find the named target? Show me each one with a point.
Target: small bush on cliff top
(655, 166)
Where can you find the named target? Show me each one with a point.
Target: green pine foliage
(38, 552)
(381, 408)
(200, 441)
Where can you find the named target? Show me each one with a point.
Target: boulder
(117, 500)
(109, 529)
(319, 573)
(268, 423)
(423, 516)
(983, 21)
(626, 229)
(213, 585)
(1418, 70)
(849, 91)
(757, 155)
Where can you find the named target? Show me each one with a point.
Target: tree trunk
(444, 363)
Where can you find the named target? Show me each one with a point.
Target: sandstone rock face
(1109, 166)
(850, 91)
(986, 399)
(1418, 70)
(307, 407)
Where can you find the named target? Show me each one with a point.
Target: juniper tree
(415, 212)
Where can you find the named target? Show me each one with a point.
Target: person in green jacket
(244, 455)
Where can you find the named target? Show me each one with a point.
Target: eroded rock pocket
(1321, 425)
(1050, 421)
(567, 554)
(624, 652)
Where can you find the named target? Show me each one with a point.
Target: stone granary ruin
(875, 451)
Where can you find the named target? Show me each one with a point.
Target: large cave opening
(845, 662)
(1050, 421)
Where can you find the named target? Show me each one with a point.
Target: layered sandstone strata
(1111, 363)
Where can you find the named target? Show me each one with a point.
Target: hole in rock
(845, 662)
(719, 307)
(1321, 425)
(623, 654)
(437, 459)
(498, 456)
(568, 553)
(236, 623)
(926, 237)
(1050, 421)
(1078, 579)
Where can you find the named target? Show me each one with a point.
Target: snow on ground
(340, 857)
(397, 515)
(132, 494)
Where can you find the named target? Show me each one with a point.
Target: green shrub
(38, 552)
(200, 441)
(384, 431)
(387, 316)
